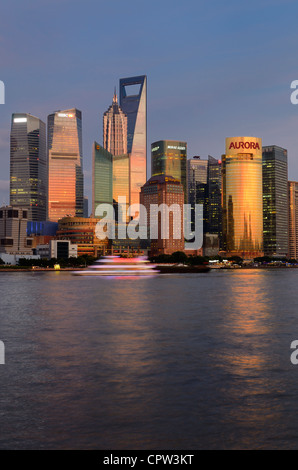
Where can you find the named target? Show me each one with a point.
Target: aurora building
(242, 200)
(275, 201)
(28, 166)
(66, 183)
(293, 219)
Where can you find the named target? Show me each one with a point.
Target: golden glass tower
(66, 184)
(242, 197)
(293, 219)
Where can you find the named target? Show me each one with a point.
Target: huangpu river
(198, 361)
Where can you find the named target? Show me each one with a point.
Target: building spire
(115, 98)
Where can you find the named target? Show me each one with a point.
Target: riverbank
(15, 269)
(163, 269)
(254, 267)
(182, 269)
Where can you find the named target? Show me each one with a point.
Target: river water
(198, 361)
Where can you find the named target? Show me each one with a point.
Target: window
(6, 241)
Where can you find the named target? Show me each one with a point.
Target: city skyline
(192, 96)
(4, 188)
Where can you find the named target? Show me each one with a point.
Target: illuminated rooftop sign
(244, 145)
(65, 115)
(19, 120)
(176, 147)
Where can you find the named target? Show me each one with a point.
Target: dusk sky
(215, 69)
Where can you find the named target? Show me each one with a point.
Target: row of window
(13, 214)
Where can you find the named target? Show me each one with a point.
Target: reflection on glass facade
(293, 219)
(242, 196)
(115, 129)
(275, 200)
(110, 178)
(121, 183)
(102, 177)
(28, 165)
(66, 183)
(133, 102)
(86, 207)
(214, 197)
(197, 187)
(168, 157)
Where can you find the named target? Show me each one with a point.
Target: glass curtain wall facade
(66, 182)
(275, 201)
(121, 185)
(102, 177)
(169, 157)
(242, 199)
(197, 172)
(214, 197)
(133, 102)
(110, 178)
(28, 165)
(293, 219)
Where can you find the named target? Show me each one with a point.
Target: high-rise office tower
(214, 197)
(293, 219)
(168, 157)
(197, 177)
(242, 197)
(86, 207)
(13, 231)
(28, 165)
(121, 185)
(115, 142)
(110, 178)
(115, 129)
(102, 177)
(65, 160)
(167, 191)
(275, 201)
(133, 102)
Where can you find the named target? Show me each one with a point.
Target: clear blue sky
(215, 68)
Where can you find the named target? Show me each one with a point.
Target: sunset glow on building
(242, 196)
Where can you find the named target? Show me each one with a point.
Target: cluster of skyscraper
(120, 164)
(245, 198)
(47, 179)
(248, 203)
